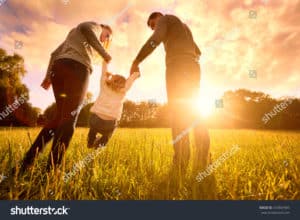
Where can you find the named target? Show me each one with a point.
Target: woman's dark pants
(69, 80)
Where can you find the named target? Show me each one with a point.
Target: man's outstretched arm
(157, 37)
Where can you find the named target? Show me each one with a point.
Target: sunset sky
(235, 37)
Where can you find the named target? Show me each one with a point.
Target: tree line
(240, 109)
(236, 109)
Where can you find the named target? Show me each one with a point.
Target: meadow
(136, 164)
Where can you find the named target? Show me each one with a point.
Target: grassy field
(136, 164)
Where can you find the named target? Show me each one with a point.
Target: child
(107, 109)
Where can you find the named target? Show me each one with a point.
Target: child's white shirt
(109, 102)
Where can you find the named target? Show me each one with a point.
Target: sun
(205, 107)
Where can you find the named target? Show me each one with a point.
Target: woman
(68, 72)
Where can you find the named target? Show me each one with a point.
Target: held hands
(108, 58)
(134, 68)
(108, 74)
(46, 83)
(139, 74)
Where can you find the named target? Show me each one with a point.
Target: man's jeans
(183, 84)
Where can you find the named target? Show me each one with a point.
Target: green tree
(12, 90)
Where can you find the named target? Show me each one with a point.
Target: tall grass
(136, 164)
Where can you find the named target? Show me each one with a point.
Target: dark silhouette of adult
(182, 82)
(68, 72)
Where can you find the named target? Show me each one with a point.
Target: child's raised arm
(104, 67)
(104, 74)
(131, 79)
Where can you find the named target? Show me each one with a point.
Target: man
(182, 82)
(68, 71)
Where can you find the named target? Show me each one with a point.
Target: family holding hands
(71, 65)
